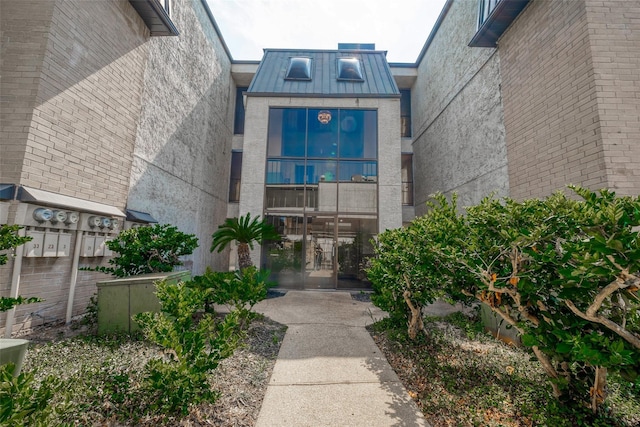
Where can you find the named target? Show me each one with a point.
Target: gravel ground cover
(100, 376)
(460, 376)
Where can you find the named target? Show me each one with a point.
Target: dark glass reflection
(285, 171)
(322, 138)
(321, 171)
(299, 69)
(287, 132)
(349, 69)
(358, 171)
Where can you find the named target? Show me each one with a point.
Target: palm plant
(244, 231)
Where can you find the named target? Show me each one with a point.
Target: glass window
(358, 171)
(338, 163)
(236, 172)
(299, 69)
(287, 132)
(405, 113)
(238, 120)
(349, 69)
(407, 179)
(285, 171)
(321, 171)
(323, 133)
(285, 197)
(358, 134)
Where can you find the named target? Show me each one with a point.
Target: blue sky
(398, 26)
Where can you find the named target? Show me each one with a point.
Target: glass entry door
(321, 251)
(353, 250)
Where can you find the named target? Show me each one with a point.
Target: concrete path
(329, 371)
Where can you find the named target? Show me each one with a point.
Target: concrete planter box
(498, 327)
(120, 299)
(12, 350)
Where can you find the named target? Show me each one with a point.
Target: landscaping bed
(460, 376)
(100, 377)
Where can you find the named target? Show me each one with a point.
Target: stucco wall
(457, 115)
(255, 151)
(182, 154)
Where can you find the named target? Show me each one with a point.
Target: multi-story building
(116, 112)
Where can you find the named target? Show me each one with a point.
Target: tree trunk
(244, 256)
(598, 391)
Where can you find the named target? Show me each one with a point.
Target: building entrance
(321, 251)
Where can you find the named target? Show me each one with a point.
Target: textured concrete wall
(550, 101)
(183, 143)
(457, 115)
(255, 151)
(614, 39)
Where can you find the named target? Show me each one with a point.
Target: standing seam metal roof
(269, 79)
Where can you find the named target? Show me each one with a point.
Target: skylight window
(299, 69)
(349, 69)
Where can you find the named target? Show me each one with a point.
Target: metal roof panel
(270, 76)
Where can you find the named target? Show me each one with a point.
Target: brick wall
(85, 68)
(25, 32)
(550, 99)
(614, 39)
(72, 78)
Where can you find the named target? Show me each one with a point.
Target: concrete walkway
(329, 371)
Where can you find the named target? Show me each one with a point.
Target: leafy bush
(151, 249)
(24, 403)
(410, 270)
(9, 240)
(239, 289)
(563, 272)
(193, 348)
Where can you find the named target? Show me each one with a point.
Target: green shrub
(563, 272)
(151, 249)
(240, 290)
(9, 240)
(23, 402)
(193, 348)
(410, 267)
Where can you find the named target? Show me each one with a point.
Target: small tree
(244, 231)
(409, 271)
(152, 249)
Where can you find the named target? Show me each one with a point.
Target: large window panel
(322, 138)
(355, 171)
(286, 197)
(287, 131)
(281, 171)
(358, 134)
(321, 171)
